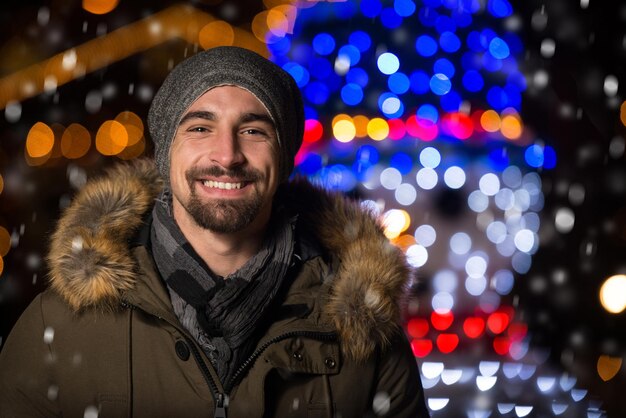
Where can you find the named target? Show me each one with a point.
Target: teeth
(221, 185)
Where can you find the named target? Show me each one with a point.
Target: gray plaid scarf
(221, 313)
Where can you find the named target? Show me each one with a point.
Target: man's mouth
(222, 185)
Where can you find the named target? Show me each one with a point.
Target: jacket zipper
(221, 399)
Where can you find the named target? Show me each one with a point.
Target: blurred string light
(613, 294)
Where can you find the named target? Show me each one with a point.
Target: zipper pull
(221, 405)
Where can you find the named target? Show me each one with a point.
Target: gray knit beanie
(273, 86)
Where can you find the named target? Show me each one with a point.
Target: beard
(223, 215)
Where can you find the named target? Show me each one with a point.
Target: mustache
(239, 173)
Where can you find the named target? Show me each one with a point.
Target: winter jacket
(103, 339)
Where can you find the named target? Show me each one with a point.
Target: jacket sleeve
(26, 388)
(399, 391)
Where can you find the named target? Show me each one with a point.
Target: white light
(566, 382)
(13, 111)
(442, 302)
(518, 350)
(545, 384)
(485, 383)
(502, 281)
(432, 369)
(429, 383)
(506, 248)
(381, 403)
(69, 60)
(578, 394)
(512, 176)
(406, 194)
(522, 411)
(476, 266)
(505, 408)
(505, 199)
(511, 370)
(425, 235)
(454, 177)
(613, 294)
(416, 255)
(522, 200)
(475, 286)
(437, 404)
(548, 47)
(541, 79)
(342, 65)
(478, 201)
(531, 221)
(528, 370)
(391, 105)
(488, 368)
(611, 85)
(390, 178)
(564, 220)
(430, 157)
(445, 281)
(489, 184)
(451, 376)
(460, 243)
(559, 408)
(496, 232)
(426, 178)
(524, 240)
(48, 335)
(394, 221)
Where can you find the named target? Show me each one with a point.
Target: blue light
(352, 52)
(450, 4)
(310, 113)
(323, 43)
(398, 83)
(518, 80)
(514, 42)
(549, 157)
(281, 47)
(497, 98)
(474, 43)
(402, 162)
(445, 67)
(471, 61)
(358, 76)
(338, 177)
(390, 19)
(390, 105)
(371, 8)
(320, 67)
(428, 16)
(367, 154)
(426, 46)
(302, 52)
(445, 24)
(499, 158)
(490, 63)
(388, 63)
(404, 8)
(499, 8)
(298, 72)
(345, 10)
(473, 81)
(450, 102)
(470, 6)
(432, 3)
(449, 42)
(311, 164)
(534, 156)
(428, 113)
(462, 18)
(352, 94)
(361, 40)
(486, 35)
(440, 84)
(498, 48)
(420, 82)
(316, 92)
(514, 95)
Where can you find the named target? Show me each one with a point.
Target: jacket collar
(91, 264)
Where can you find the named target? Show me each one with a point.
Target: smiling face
(224, 162)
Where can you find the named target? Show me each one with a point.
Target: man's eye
(197, 129)
(253, 132)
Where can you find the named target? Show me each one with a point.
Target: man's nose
(227, 151)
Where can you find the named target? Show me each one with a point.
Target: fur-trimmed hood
(91, 265)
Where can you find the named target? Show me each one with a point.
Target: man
(211, 286)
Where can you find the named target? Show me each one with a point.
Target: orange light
(511, 127)
(404, 241)
(378, 129)
(111, 138)
(622, 113)
(217, 33)
(100, 7)
(344, 130)
(608, 367)
(39, 141)
(360, 123)
(1, 265)
(1, 183)
(75, 142)
(277, 21)
(133, 124)
(5, 241)
(133, 151)
(259, 26)
(490, 121)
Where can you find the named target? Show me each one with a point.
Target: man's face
(224, 162)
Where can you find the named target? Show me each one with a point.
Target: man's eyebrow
(198, 115)
(252, 117)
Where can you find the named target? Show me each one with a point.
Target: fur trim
(90, 263)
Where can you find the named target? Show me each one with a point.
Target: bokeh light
(613, 294)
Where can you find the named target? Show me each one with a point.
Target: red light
(501, 345)
(397, 129)
(447, 342)
(424, 130)
(300, 156)
(313, 130)
(474, 327)
(417, 327)
(458, 124)
(497, 322)
(421, 348)
(441, 321)
(517, 331)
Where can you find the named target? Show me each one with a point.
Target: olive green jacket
(104, 338)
